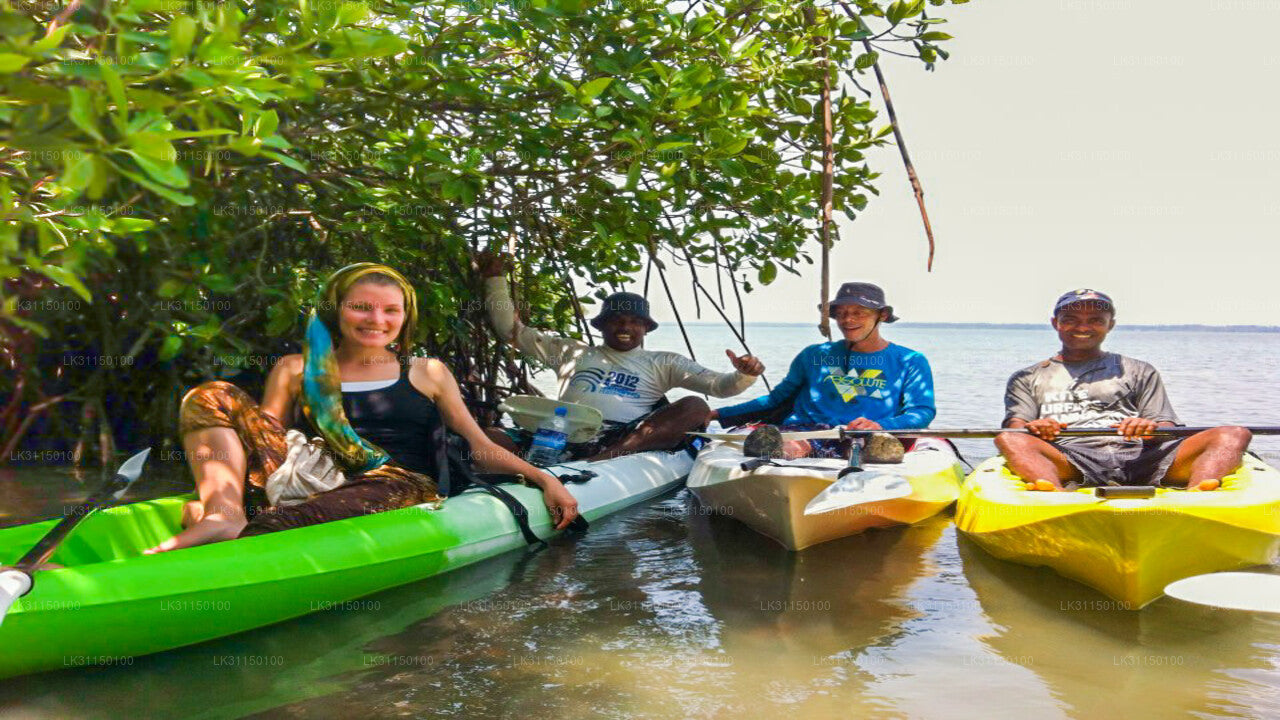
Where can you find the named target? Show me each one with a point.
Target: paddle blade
(132, 469)
(1254, 592)
(13, 585)
(859, 488)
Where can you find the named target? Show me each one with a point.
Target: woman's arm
(282, 388)
(433, 378)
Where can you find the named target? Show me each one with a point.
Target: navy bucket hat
(624, 303)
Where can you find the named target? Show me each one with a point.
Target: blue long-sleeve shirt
(834, 385)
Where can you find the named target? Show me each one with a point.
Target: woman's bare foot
(1204, 485)
(210, 529)
(1042, 486)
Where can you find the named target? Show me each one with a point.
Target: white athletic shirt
(621, 385)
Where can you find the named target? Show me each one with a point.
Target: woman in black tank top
(233, 444)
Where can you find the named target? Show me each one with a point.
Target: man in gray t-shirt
(1082, 387)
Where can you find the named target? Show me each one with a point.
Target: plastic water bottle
(549, 441)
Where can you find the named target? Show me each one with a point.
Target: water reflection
(312, 656)
(665, 612)
(1173, 658)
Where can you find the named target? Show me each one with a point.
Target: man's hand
(715, 415)
(863, 424)
(747, 364)
(1135, 427)
(1044, 428)
(492, 264)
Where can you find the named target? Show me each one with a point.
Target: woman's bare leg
(217, 461)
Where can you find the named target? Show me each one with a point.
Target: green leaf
(592, 89)
(125, 225)
(686, 102)
(896, 12)
(153, 145)
(286, 160)
(633, 174)
(62, 276)
(182, 32)
(15, 25)
(164, 192)
(11, 63)
(352, 12)
(82, 112)
(181, 134)
(50, 41)
(935, 36)
(266, 124)
(116, 88)
(768, 272)
(168, 172)
(79, 174)
(169, 349)
(866, 60)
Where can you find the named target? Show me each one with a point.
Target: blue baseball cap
(1085, 295)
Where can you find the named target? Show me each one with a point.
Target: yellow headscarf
(327, 303)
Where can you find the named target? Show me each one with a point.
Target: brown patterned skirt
(221, 404)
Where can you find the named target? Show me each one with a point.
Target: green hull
(112, 602)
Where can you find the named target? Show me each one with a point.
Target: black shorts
(1116, 461)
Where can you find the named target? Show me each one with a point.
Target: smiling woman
(235, 446)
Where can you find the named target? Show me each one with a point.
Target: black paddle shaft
(963, 433)
(44, 549)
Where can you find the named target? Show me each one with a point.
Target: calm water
(664, 611)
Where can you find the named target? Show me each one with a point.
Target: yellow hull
(1128, 549)
(771, 500)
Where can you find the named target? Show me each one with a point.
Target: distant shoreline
(1026, 326)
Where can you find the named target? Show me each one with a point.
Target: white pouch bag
(307, 469)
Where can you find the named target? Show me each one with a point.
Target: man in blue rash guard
(863, 382)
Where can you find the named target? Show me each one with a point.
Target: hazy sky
(1126, 146)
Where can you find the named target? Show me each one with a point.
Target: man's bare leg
(664, 429)
(218, 463)
(795, 449)
(1035, 460)
(1204, 458)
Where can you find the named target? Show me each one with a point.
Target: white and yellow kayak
(772, 499)
(1129, 549)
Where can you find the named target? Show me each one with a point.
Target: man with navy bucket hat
(861, 381)
(621, 379)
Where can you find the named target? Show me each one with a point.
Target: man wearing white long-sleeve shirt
(621, 379)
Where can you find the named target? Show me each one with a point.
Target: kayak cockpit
(110, 534)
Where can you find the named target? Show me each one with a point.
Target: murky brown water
(663, 611)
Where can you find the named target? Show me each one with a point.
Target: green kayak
(110, 602)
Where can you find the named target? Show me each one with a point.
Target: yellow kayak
(1129, 549)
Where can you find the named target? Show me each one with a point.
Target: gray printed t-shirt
(1096, 393)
